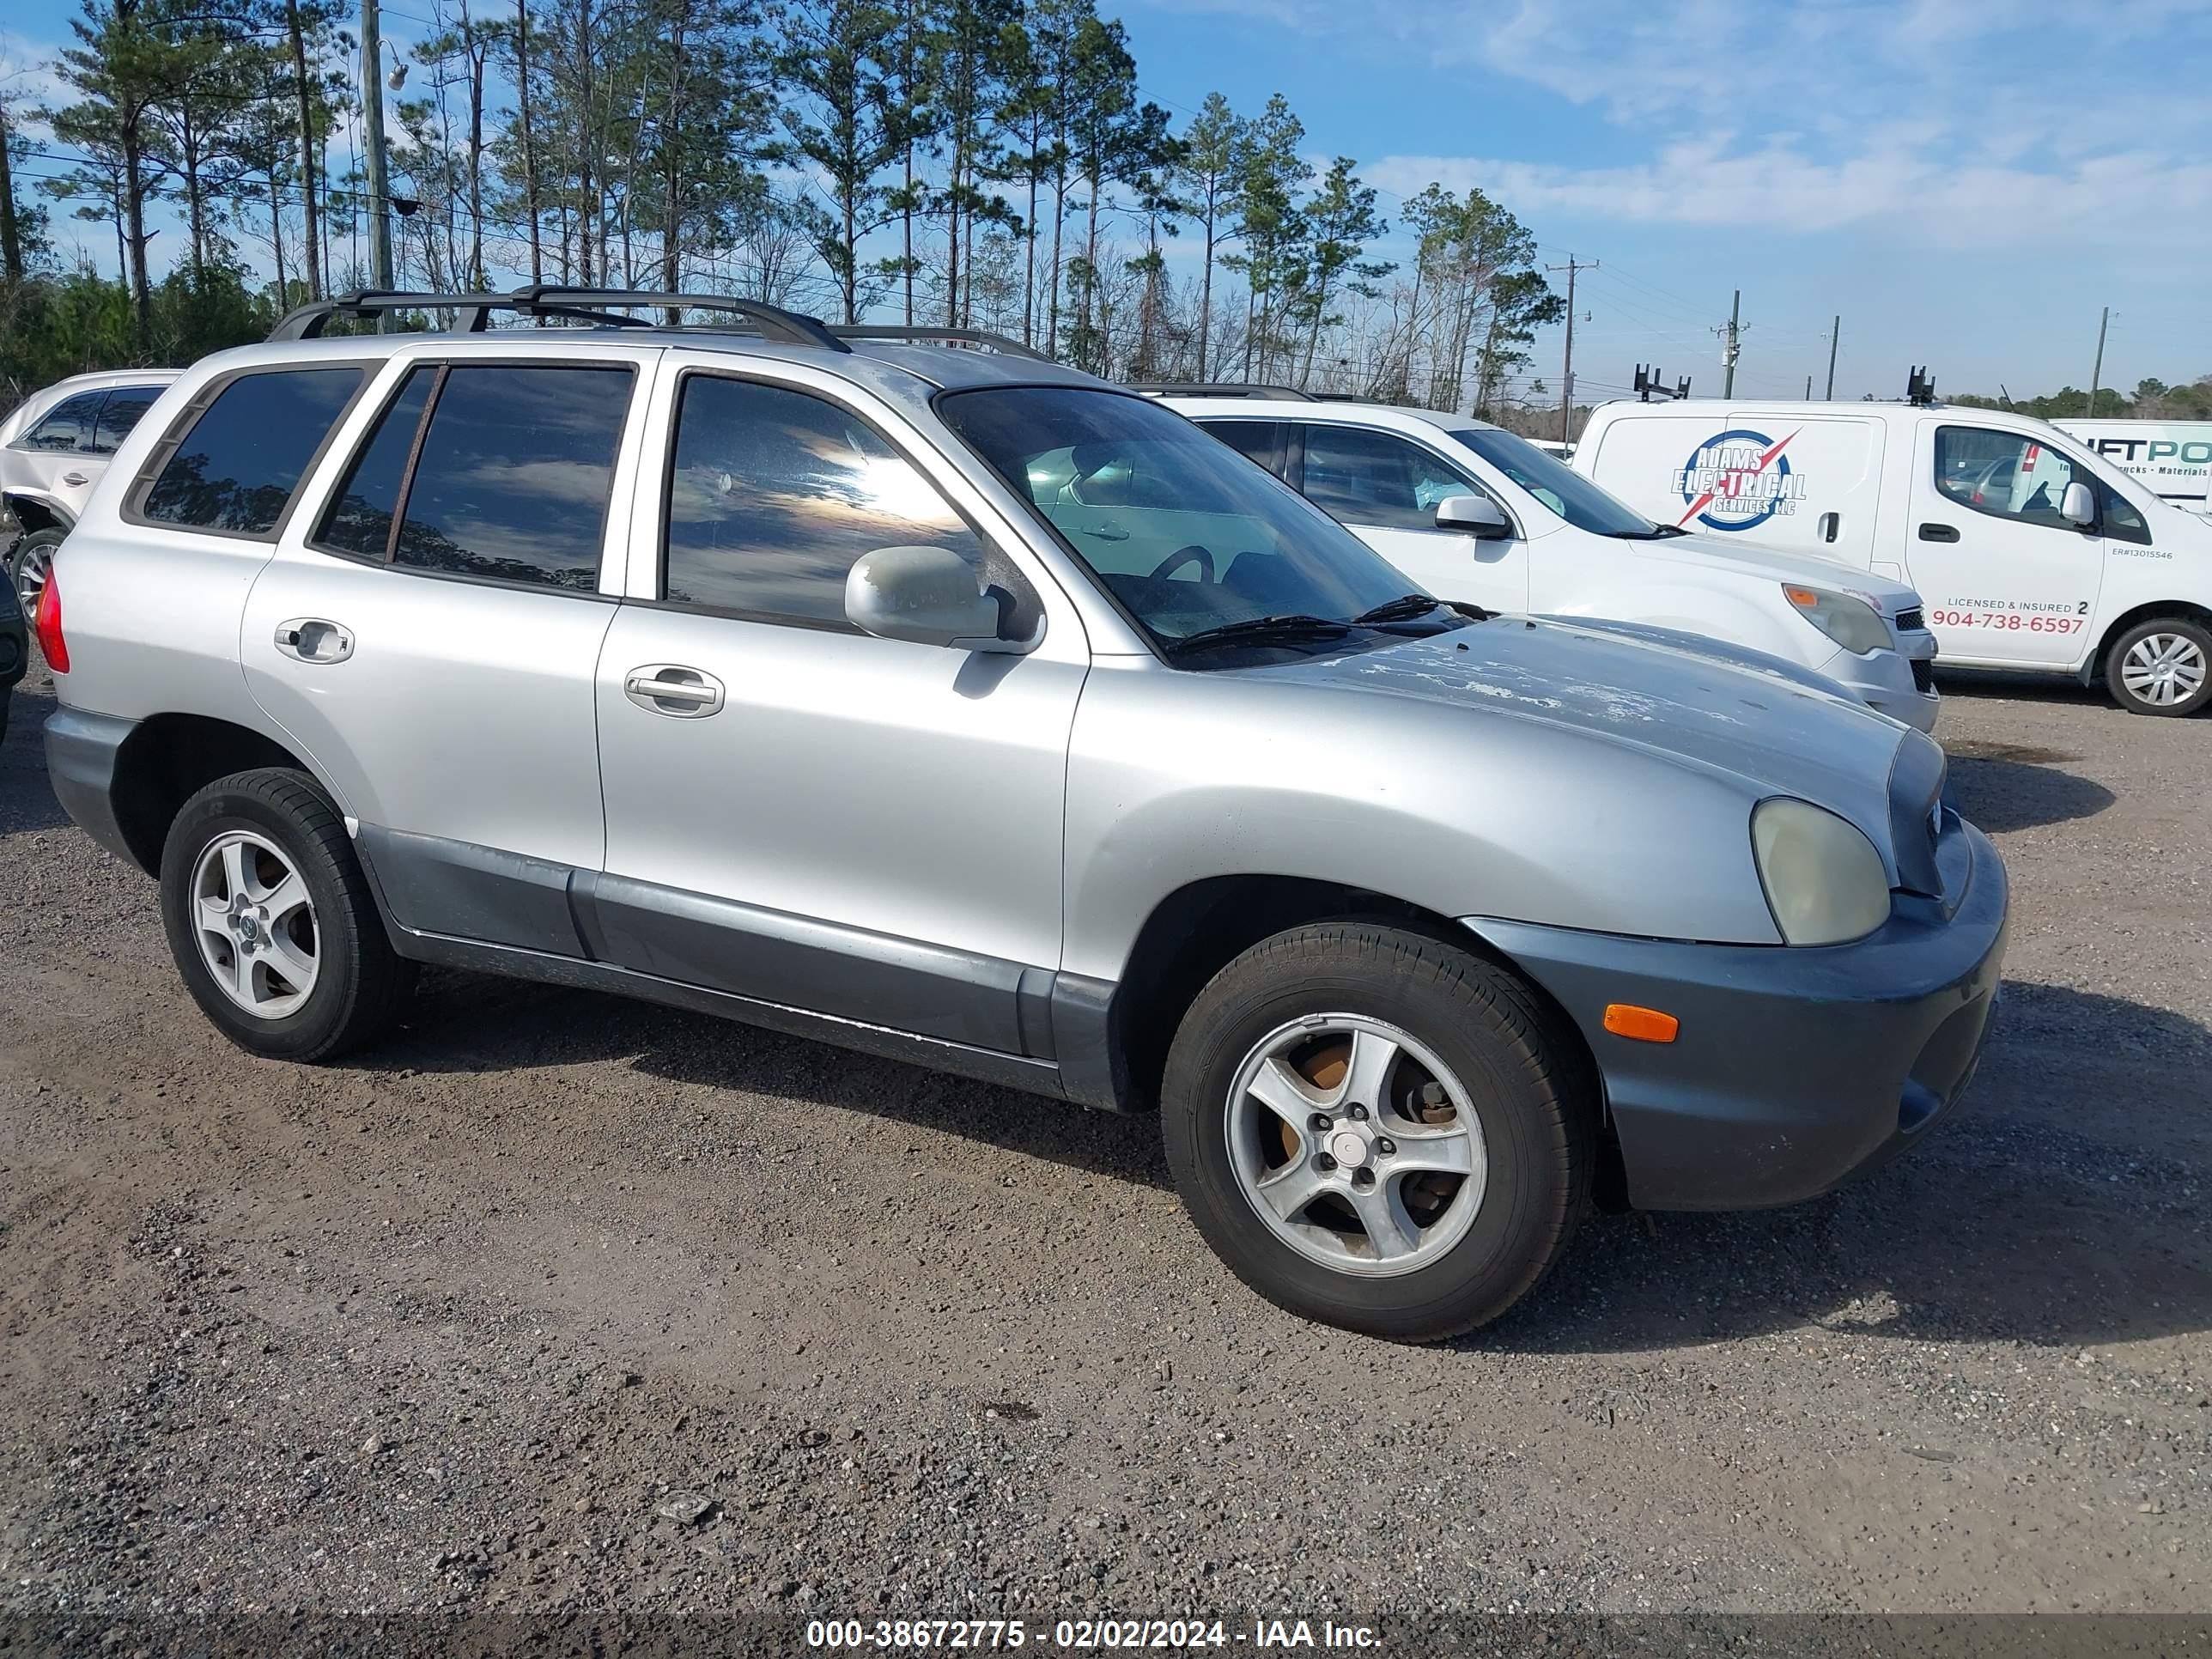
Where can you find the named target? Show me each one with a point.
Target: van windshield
(1189, 536)
(1559, 487)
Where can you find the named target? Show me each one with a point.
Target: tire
(234, 852)
(29, 563)
(2167, 658)
(1471, 1039)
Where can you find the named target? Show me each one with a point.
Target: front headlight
(1847, 619)
(1824, 880)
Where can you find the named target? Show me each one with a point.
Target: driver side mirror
(927, 595)
(1474, 515)
(2078, 507)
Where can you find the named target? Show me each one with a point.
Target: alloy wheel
(255, 924)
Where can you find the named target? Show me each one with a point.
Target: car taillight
(48, 626)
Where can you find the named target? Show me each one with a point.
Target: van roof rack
(919, 335)
(585, 305)
(1222, 389)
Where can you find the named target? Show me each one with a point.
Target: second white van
(2031, 553)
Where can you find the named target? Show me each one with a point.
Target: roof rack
(1221, 389)
(586, 305)
(998, 343)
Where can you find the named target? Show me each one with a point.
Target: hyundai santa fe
(939, 701)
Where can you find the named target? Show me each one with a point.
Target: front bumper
(1795, 1068)
(1901, 683)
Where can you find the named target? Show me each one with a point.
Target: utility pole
(1808, 388)
(11, 241)
(1730, 338)
(2104, 318)
(1835, 333)
(372, 130)
(1567, 368)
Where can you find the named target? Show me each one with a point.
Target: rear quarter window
(240, 454)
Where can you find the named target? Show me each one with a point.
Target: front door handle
(72, 479)
(313, 638)
(669, 687)
(1938, 532)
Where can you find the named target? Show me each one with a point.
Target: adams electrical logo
(1737, 480)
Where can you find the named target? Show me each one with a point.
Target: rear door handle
(1830, 524)
(1938, 532)
(669, 687)
(312, 639)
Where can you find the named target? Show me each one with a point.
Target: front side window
(68, 424)
(1558, 485)
(124, 408)
(2006, 475)
(774, 493)
(1359, 477)
(513, 475)
(235, 469)
(1188, 536)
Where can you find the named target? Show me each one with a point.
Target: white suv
(54, 447)
(1472, 512)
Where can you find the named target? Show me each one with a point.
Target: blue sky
(1966, 182)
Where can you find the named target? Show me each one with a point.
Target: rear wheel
(31, 565)
(270, 920)
(1377, 1130)
(2162, 666)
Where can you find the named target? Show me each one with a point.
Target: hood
(1769, 727)
(1711, 552)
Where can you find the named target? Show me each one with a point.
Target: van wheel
(270, 920)
(2162, 666)
(1378, 1131)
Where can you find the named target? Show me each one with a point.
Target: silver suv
(945, 703)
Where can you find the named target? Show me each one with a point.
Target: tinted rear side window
(515, 475)
(359, 522)
(126, 407)
(68, 424)
(236, 468)
(1256, 440)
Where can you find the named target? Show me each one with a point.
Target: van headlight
(1824, 880)
(1847, 619)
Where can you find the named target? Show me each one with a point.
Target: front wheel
(2162, 666)
(1377, 1130)
(272, 922)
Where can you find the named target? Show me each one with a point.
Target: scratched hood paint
(1769, 725)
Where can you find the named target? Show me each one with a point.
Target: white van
(1467, 511)
(2174, 457)
(2033, 554)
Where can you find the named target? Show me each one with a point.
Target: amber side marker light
(1645, 1025)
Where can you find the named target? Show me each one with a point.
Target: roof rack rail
(586, 305)
(919, 335)
(1221, 389)
(306, 322)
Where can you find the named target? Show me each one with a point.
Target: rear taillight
(47, 625)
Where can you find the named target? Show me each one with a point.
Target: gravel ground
(559, 1302)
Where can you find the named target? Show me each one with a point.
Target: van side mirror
(2078, 507)
(927, 595)
(1474, 515)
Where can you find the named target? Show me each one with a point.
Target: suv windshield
(1188, 534)
(1560, 488)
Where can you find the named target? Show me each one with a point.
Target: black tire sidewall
(2114, 683)
(1531, 1185)
(224, 806)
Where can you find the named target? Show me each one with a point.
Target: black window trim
(1300, 425)
(141, 483)
(776, 618)
(445, 365)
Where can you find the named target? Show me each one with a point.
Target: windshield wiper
(1404, 608)
(1658, 532)
(1297, 630)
